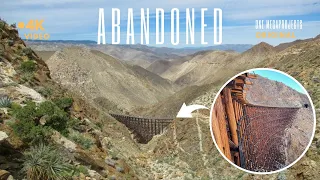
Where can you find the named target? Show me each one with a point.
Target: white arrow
(185, 111)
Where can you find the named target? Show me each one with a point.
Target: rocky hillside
(283, 46)
(207, 67)
(266, 92)
(47, 132)
(200, 69)
(105, 80)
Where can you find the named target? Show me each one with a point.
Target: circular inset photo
(262, 121)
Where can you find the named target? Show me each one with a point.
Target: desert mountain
(206, 67)
(161, 66)
(266, 92)
(138, 54)
(283, 46)
(169, 106)
(197, 70)
(134, 54)
(105, 80)
(252, 56)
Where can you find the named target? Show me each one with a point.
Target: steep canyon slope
(105, 80)
(39, 118)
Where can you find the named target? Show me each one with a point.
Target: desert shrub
(82, 169)
(2, 24)
(46, 92)
(26, 77)
(28, 66)
(28, 51)
(56, 118)
(31, 133)
(5, 102)
(27, 126)
(99, 125)
(74, 123)
(83, 141)
(63, 103)
(45, 162)
(14, 25)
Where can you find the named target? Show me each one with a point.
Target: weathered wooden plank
(232, 120)
(220, 113)
(215, 129)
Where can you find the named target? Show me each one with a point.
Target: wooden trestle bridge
(250, 136)
(143, 128)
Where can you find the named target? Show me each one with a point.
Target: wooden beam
(232, 121)
(216, 130)
(231, 115)
(239, 81)
(236, 91)
(252, 76)
(238, 87)
(220, 113)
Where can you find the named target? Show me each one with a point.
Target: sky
(276, 76)
(78, 19)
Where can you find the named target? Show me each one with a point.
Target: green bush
(26, 77)
(28, 51)
(46, 92)
(82, 169)
(56, 117)
(2, 24)
(83, 141)
(28, 66)
(45, 162)
(31, 133)
(5, 102)
(14, 25)
(27, 126)
(63, 103)
(74, 123)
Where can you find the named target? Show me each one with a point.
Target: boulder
(110, 162)
(66, 143)
(94, 174)
(3, 136)
(4, 174)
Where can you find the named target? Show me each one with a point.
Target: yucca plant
(45, 162)
(5, 102)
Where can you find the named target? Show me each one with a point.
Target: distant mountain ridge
(136, 54)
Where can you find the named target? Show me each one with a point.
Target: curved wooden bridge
(248, 135)
(143, 128)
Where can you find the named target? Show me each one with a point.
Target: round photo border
(314, 122)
